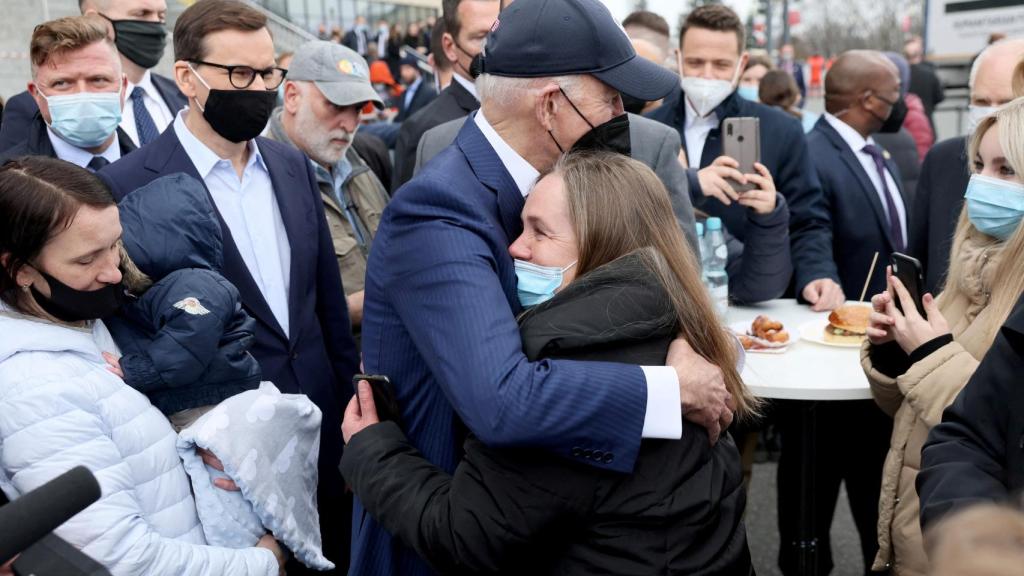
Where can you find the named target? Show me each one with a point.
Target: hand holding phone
(911, 274)
(384, 396)
(742, 141)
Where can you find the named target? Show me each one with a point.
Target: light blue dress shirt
(249, 208)
(70, 153)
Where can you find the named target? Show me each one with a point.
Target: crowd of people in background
(498, 215)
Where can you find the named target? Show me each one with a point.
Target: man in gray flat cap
(328, 84)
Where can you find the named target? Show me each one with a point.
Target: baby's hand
(113, 365)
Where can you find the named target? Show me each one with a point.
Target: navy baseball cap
(537, 38)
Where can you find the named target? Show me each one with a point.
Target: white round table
(810, 372)
(807, 370)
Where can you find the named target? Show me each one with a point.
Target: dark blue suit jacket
(318, 357)
(19, 110)
(859, 225)
(937, 206)
(784, 153)
(440, 320)
(425, 94)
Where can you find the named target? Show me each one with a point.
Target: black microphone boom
(28, 519)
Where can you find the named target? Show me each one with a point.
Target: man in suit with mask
(278, 250)
(868, 215)
(468, 22)
(79, 89)
(151, 100)
(711, 59)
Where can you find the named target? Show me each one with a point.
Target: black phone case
(908, 271)
(384, 397)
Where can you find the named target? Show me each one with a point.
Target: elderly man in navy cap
(441, 298)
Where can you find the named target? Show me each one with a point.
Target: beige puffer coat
(916, 401)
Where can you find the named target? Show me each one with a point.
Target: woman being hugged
(917, 365)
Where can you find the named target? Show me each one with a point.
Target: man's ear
(292, 97)
(185, 79)
(546, 105)
(448, 46)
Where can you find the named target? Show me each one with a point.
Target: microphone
(28, 519)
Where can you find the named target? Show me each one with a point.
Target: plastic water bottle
(715, 276)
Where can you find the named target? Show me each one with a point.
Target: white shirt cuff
(663, 417)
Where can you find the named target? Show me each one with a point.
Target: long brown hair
(1009, 283)
(619, 206)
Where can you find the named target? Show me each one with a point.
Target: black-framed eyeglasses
(242, 77)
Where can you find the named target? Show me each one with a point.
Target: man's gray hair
(503, 91)
(985, 53)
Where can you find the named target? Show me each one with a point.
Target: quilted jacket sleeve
(50, 425)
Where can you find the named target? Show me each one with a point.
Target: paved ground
(763, 534)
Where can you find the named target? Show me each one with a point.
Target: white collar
(469, 86)
(203, 158)
(853, 139)
(71, 153)
(146, 83)
(524, 174)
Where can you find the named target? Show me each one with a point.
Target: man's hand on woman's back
(702, 391)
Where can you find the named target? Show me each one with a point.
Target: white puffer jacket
(61, 407)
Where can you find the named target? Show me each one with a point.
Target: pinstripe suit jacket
(439, 320)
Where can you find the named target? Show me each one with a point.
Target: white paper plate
(814, 331)
(744, 328)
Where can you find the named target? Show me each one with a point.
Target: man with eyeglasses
(138, 31)
(468, 23)
(277, 245)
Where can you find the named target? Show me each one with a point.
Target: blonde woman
(619, 284)
(917, 365)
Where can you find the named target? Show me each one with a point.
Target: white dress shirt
(696, 130)
(155, 105)
(249, 208)
(663, 417)
(468, 85)
(81, 158)
(856, 142)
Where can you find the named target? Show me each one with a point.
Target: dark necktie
(144, 124)
(98, 162)
(894, 218)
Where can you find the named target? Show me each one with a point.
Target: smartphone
(911, 274)
(384, 396)
(742, 142)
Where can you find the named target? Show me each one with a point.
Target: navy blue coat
(784, 153)
(20, 108)
(937, 206)
(976, 454)
(181, 353)
(318, 357)
(440, 320)
(858, 221)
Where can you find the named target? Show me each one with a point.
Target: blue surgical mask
(749, 93)
(536, 283)
(994, 206)
(84, 119)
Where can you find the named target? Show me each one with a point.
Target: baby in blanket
(185, 344)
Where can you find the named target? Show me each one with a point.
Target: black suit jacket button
(608, 458)
(588, 453)
(598, 455)
(577, 451)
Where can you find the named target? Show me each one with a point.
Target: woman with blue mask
(606, 276)
(918, 364)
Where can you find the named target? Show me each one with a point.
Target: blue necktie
(144, 124)
(98, 162)
(894, 218)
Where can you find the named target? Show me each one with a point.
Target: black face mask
(70, 305)
(896, 117)
(612, 136)
(140, 41)
(239, 115)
